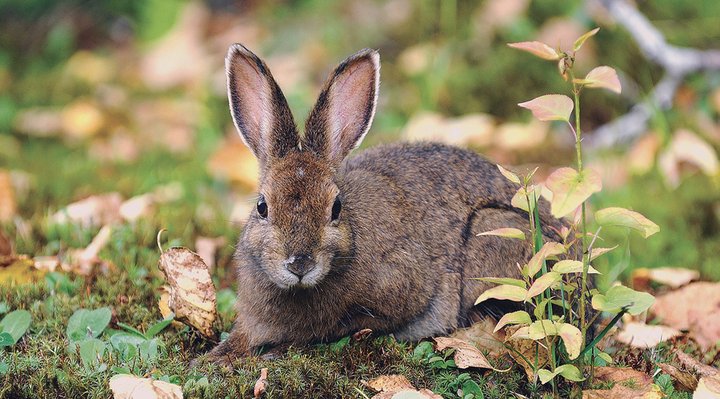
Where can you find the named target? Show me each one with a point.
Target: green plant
(13, 326)
(556, 298)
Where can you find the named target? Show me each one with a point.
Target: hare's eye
(262, 207)
(337, 206)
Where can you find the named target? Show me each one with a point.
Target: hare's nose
(300, 264)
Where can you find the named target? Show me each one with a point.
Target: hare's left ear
(344, 111)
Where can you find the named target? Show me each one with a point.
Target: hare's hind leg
(440, 315)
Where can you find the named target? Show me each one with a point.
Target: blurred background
(129, 97)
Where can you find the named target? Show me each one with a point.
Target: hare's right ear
(258, 107)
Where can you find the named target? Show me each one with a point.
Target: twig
(677, 63)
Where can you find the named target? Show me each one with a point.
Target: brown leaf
(708, 388)
(619, 391)
(640, 335)
(408, 394)
(629, 384)
(682, 310)
(261, 383)
(480, 334)
(233, 161)
(683, 380)
(84, 261)
(46, 263)
(389, 383)
(466, 355)
(126, 386)
(192, 293)
(673, 277)
(362, 335)
(8, 206)
(95, 210)
(524, 350)
(137, 207)
(686, 148)
(81, 119)
(701, 369)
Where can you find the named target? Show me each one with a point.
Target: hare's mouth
(312, 277)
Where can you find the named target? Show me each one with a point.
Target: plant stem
(583, 224)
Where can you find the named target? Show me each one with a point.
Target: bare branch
(677, 62)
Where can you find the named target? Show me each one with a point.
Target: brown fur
(402, 253)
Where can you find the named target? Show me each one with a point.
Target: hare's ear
(345, 108)
(258, 107)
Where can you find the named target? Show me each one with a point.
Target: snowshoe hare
(384, 240)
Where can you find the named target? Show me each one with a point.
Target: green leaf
(538, 49)
(502, 280)
(159, 326)
(602, 77)
(550, 107)
(125, 338)
(570, 189)
(131, 329)
(91, 351)
(570, 335)
(572, 266)
(88, 324)
(626, 218)
(507, 232)
(568, 371)
(542, 283)
(518, 317)
(509, 175)
(581, 40)
(522, 197)
(4, 307)
(16, 323)
(598, 252)
(547, 250)
(6, 339)
(503, 292)
(620, 297)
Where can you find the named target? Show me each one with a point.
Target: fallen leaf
(126, 386)
(261, 383)
(95, 210)
(39, 122)
(481, 335)
(137, 207)
(84, 261)
(408, 394)
(550, 107)
(389, 383)
(693, 307)
(8, 206)
(81, 119)
(466, 355)
(233, 161)
(516, 136)
(192, 293)
(46, 263)
(708, 388)
(206, 248)
(619, 391)
(362, 335)
(640, 335)
(673, 277)
(682, 380)
(689, 362)
(524, 350)
(687, 148)
(641, 157)
(538, 49)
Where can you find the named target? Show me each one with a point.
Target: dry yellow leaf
(640, 335)
(466, 355)
(191, 290)
(94, 210)
(389, 383)
(82, 119)
(235, 162)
